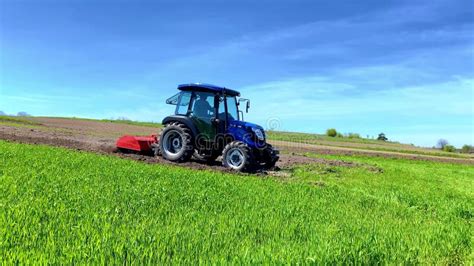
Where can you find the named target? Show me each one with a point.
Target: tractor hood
(244, 125)
(247, 127)
(251, 134)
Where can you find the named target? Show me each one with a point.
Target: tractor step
(137, 143)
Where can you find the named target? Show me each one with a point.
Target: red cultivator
(142, 144)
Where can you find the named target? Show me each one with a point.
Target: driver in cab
(202, 108)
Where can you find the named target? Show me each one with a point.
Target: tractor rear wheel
(238, 156)
(176, 143)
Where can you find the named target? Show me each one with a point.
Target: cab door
(203, 114)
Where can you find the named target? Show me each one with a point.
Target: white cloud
(309, 96)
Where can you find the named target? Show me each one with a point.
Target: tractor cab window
(184, 99)
(232, 108)
(173, 100)
(203, 105)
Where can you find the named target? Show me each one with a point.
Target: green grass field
(60, 206)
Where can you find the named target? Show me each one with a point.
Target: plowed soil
(100, 137)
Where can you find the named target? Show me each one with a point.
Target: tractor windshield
(232, 109)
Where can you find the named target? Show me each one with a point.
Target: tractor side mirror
(247, 107)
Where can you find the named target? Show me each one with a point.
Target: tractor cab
(211, 109)
(206, 120)
(207, 103)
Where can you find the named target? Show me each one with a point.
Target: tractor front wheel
(176, 143)
(237, 156)
(271, 157)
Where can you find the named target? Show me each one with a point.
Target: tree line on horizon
(442, 144)
(332, 132)
(22, 113)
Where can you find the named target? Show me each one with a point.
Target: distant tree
(442, 143)
(331, 132)
(449, 148)
(339, 135)
(123, 118)
(22, 114)
(382, 137)
(467, 149)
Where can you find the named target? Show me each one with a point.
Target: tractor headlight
(258, 133)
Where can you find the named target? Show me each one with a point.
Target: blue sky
(405, 68)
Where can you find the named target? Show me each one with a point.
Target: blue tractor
(208, 123)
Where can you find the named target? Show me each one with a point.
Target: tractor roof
(207, 88)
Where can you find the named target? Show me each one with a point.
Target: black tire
(271, 157)
(245, 161)
(176, 143)
(270, 164)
